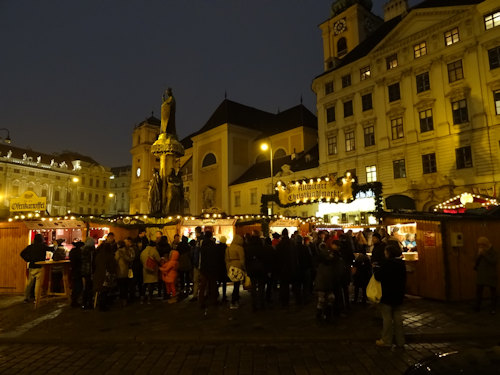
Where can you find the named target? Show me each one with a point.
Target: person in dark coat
(221, 263)
(104, 274)
(324, 282)
(304, 274)
(185, 266)
(33, 253)
(347, 254)
(209, 270)
(141, 242)
(487, 272)
(362, 275)
(88, 253)
(392, 276)
(256, 270)
(378, 256)
(75, 257)
(270, 264)
(287, 266)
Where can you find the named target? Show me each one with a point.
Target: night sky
(78, 75)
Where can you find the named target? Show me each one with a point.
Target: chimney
(395, 8)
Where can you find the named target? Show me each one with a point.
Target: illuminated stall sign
(320, 189)
(29, 201)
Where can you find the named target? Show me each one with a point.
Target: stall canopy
(54, 224)
(399, 202)
(465, 202)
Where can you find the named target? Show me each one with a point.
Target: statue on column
(154, 193)
(175, 192)
(168, 113)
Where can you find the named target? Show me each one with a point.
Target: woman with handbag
(150, 259)
(235, 257)
(392, 276)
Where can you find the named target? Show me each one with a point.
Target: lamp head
(264, 147)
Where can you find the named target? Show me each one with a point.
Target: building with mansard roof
(412, 100)
(69, 181)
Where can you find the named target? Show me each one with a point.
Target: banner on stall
(28, 202)
(316, 190)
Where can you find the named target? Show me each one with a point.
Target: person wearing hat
(378, 256)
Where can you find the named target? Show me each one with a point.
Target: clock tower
(350, 22)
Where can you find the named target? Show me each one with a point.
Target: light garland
(465, 197)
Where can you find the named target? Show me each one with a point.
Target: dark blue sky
(78, 75)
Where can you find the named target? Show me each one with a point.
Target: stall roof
(54, 224)
(208, 221)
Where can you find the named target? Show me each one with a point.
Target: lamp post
(113, 203)
(265, 147)
(6, 139)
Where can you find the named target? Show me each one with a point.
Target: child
(169, 274)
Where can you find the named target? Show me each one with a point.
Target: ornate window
(391, 61)
(280, 153)
(346, 80)
(426, 121)
(399, 168)
(492, 20)
(330, 114)
(366, 102)
(371, 173)
(420, 50)
(460, 113)
(328, 87)
(365, 73)
(423, 83)
(451, 36)
(494, 57)
(348, 111)
(455, 71)
(496, 99)
(429, 163)
(394, 92)
(350, 141)
(332, 145)
(397, 128)
(237, 199)
(369, 136)
(209, 159)
(464, 157)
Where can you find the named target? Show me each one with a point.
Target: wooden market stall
(446, 248)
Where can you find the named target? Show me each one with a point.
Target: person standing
(487, 272)
(150, 259)
(75, 257)
(124, 257)
(185, 266)
(33, 253)
(208, 272)
(254, 260)
(87, 269)
(221, 266)
(392, 276)
(105, 271)
(235, 257)
(288, 267)
(196, 262)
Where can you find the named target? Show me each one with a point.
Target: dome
(340, 5)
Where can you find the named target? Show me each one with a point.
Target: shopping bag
(247, 284)
(235, 274)
(374, 290)
(151, 265)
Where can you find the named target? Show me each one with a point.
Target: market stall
(218, 226)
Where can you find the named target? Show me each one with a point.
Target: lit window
(460, 113)
(494, 57)
(496, 98)
(332, 145)
(366, 102)
(346, 80)
(426, 122)
(350, 141)
(237, 199)
(371, 173)
(464, 157)
(391, 61)
(397, 128)
(492, 20)
(423, 82)
(455, 71)
(394, 92)
(451, 36)
(369, 136)
(399, 168)
(420, 50)
(348, 111)
(429, 163)
(365, 73)
(330, 114)
(328, 87)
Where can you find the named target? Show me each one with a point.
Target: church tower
(350, 22)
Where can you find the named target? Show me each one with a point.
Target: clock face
(138, 172)
(339, 26)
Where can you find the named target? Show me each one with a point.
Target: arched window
(209, 159)
(280, 153)
(341, 47)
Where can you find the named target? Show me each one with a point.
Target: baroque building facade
(415, 102)
(71, 183)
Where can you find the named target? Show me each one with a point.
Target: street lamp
(6, 139)
(265, 147)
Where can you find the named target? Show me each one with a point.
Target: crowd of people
(320, 267)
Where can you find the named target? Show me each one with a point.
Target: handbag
(130, 274)
(247, 284)
(151, 264)
(235, 274)
(374, 290)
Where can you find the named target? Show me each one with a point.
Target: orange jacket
(169, 268)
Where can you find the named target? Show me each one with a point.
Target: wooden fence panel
(14, 237)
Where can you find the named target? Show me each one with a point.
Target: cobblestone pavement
(178, 339)
(300, 359)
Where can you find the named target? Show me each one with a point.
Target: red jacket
(169, 268)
